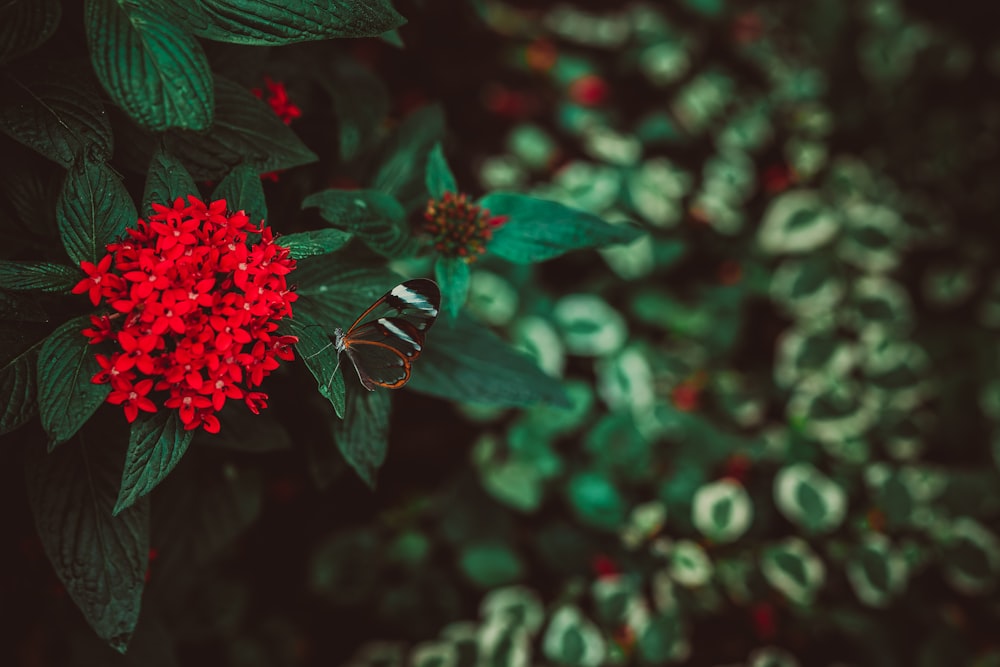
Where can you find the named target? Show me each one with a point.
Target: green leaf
(793, 568)
(490, 564)
(596, 500)
(572, 639)
(57, 112)
(166, 181)
(405, 157)
(42, 276)
(292, 21)
(363, 435)
(537, 229)
(452, 275)
(25, 24)
(374, 217)
(66, 396)
(157, 442)
(318, 242)
(246, 130)
(663, 640)
(243, 191)
(467, 362)
(93, 210)
(334, 289)
(100, 559)
(150, 66)
(18, 385)
(360, 104)
(317, 351)
(722, 510)
(439, 178)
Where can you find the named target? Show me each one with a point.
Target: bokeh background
(783, 441)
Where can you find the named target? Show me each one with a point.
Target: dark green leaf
(202, 506)
(439, 177)
(596, 500)
(452, 274)
(318, 242)
(291, 21)
(100, 559)
(363, 435)
(56, 111)
(18, 387)
(42, 276)
(246, 130)
(360, 103)
(490, 564)
(243, 191)
(157, 442)
(66, 396)
(405, 157)
(166, 181)
(374, 217)
(24, 24)
(465, 361)
(93, 210)
(537, 229)
(316, 349)
(334, 290)
(28, 185)
(151, 67)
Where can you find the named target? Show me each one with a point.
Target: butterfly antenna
(320, 350)
(329, 385)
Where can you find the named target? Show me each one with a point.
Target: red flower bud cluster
(459, 228)
(195, 304)
(277, 97)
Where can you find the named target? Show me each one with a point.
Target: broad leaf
(405, 157)
(318, 242)
(55, 111)
(42, 276)
(316, 349)
(66, 396)
(157, 442)
(243, 191)
(166, 180)
(374, 217)
(360, 103)
(100, 559)
(24, 24)
(363, 435)
(467, 362)
(151, 67)
(439, 178)
(93, 210)
(452, 275)
(18, 380)
(334, 289)
(263, 23)
(246, 130)
(537, 229)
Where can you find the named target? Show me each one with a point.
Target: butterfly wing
(382, 347)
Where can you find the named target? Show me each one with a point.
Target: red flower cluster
(277, 97)
(459, 228)
(195, 305)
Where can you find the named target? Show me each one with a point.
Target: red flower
(98, 283)
(194, 303)
(277, 97)
(459, 228)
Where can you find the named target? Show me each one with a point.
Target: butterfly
(386, 338)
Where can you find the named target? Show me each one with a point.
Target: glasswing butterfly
(383, 342)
